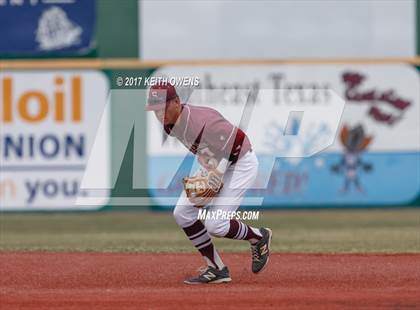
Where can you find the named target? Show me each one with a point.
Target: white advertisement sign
(373, 157)
(385, 98)
(48, 123)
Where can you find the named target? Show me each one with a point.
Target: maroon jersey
(205, 131)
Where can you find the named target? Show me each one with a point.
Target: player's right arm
(207, 162)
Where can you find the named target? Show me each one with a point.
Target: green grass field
(327, 231)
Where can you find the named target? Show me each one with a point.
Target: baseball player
(228, 167)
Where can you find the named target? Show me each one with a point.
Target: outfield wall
(51, 111)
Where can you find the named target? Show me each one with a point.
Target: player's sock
(201, 239)
(241, 231)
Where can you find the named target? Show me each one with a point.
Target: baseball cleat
(211, 276)
(261, 251)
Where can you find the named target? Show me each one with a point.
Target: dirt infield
(45, 280)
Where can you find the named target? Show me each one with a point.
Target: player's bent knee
(179, 216)
(217, 228)
(182, 217)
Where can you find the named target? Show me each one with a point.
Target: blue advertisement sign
(44, 27)
(323, 180)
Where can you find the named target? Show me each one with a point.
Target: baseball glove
(202, 189)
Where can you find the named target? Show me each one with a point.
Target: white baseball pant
(237, 179)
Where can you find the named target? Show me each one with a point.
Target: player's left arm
(201, 189)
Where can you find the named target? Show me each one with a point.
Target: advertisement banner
(377, 143)
(44, 27)
(49, 122)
